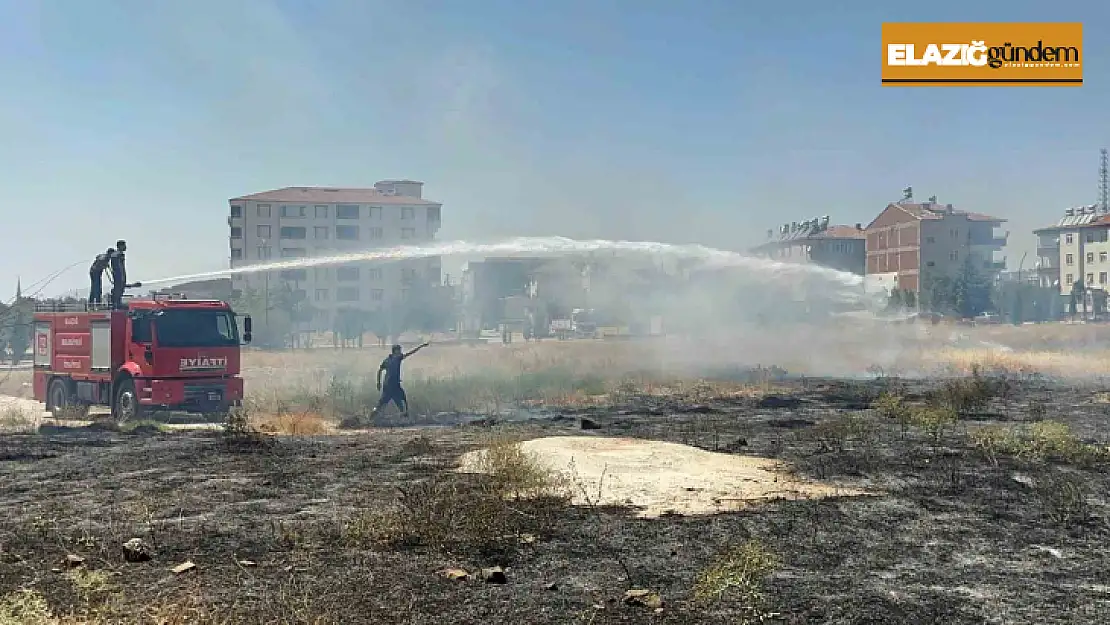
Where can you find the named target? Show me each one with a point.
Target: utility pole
(1103, 182)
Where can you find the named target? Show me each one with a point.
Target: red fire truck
(164, 353)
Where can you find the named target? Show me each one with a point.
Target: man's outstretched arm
(416, 349)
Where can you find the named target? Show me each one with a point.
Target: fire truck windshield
(195, 328)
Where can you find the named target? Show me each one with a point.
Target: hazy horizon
(645, 121)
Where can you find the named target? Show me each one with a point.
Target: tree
(1079, 294)
(16, 328)
(971, 291)
(895, 302)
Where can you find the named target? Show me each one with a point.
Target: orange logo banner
(1017, 54)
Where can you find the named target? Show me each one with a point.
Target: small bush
(741, 572)
(964, 395)
(1064, 499)
(935, 420)
(1039, 441)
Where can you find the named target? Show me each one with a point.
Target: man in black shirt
(96, 276)
(119, 273)
(392, 391)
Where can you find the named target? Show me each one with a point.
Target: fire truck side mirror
(247, 324)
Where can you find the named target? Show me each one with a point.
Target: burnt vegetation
(988, 505)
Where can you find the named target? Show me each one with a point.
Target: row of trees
(285, 316)
(967, 294)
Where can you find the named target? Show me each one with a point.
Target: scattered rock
(494, 575)
(55, 570)
(184, 566)
(458, 575)
(74, 561)
(589, 424)
(1052, 551)
(551, 586)
(1024, 480)
(778, 401)
(527, 539)
(247, 563)
(643, 598)
(135, 550)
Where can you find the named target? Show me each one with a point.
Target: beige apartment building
(301, 222)
(817, 242)
(1076, 248)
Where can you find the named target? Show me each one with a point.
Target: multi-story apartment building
(918, 241)
(1076, 248)
(816, 242)
(300, 222)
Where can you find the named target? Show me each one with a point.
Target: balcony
(1048, 251)
(996, 242)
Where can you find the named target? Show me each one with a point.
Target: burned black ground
(294, 529)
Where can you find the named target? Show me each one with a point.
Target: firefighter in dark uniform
(119, 273)
(96, 276)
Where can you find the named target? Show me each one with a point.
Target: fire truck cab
(164, 353)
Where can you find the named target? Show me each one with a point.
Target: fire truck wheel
(57, 396)
(127, 407)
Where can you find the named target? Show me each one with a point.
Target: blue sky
(700, 121)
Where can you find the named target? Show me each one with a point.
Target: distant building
(1077, 247)
(817, 242)
(300, 222)
(922, 240)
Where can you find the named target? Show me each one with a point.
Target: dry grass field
(918, 475)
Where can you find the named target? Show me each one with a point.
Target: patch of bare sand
(660, 478)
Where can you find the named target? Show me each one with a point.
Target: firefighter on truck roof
(96, 276)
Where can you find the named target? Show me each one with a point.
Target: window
(954, 255)
(293, 252)
(406, 212)
(955, 233)
(346, 274)
(376, 294)
(236, 253)
(321, 232)
(433, 214)
(346, 233)
(373, 233)
(1069, 259)
(294, 275)
(408, 233)
(1102, 277)
(408, 275)
(1090, 237)
(374, 273)
(236, 232)
(264, 252)
(236, 211)
(346, 294)
(930, 239)
(1090, 278)
(404, 295)
(293, 212)
(372, 210)
(1102, 257)
(290, 232)
(321, 273)
(1090, 257)
(321, 295)
(264, 232)
(196, 328)
(321, 212)
(264, 210)
(1068, 279)
(346, 211)
(1067, 238)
